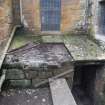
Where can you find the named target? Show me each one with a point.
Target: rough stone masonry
(6, 19)
(34, 63)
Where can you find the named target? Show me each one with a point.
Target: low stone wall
(30, 77)
(32, 63)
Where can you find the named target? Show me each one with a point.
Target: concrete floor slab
(82, 48)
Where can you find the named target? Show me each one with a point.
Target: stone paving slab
(81, 48)
(61, 93)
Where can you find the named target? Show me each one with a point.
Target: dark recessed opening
(84, 84)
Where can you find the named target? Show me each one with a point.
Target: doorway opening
(84, 84)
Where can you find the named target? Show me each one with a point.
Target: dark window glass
(101, 18)
(50, 14)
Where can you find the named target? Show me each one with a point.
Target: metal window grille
(50, 15)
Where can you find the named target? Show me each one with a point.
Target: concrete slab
(61, 94)
(82, 48)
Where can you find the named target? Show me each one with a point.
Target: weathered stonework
(23, 83)
(5, 18)
(16, 12)
(21, 77)
(72, 15)
(28, 14)
(15, 74)
(44, 61)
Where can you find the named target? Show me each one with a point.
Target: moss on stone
(82, 48)
(20, 39)
(53, 38)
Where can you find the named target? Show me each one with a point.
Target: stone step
(61, 93)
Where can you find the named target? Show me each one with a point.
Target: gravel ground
(26, 97)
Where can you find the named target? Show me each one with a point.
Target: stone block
(20, 83)
(14, 71)
(37, 81)
(15, 77)
(45, 74)
(67, 65)
(15, 74)
(31, 74)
